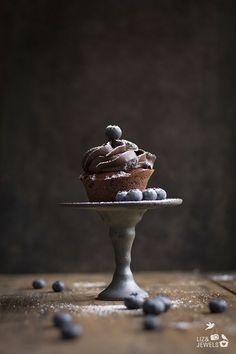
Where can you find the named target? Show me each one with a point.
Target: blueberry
(217, 305)
(134, 301)
(165, 300)
(161, 193)
(71, 331)
(121, 196)
(61, 319)
(113, 132)
(149, 194)
(58, 286)
(153, 307)
(134, 195)
(151, 322)
(38, 284)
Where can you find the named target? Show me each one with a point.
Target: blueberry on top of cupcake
(116, 155)
(113, 132)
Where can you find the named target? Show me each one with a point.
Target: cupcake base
(103, 187)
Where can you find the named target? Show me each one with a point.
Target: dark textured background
(162, 70)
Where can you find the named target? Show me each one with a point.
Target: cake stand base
(120, 288)
(122, 217)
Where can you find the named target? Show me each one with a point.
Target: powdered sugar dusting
(186, 303)
(89, 284)
(176, 303)
(97, 310)
(181, 325)
(87, 310)
(223, 277)
(102, 310)
(106, 310)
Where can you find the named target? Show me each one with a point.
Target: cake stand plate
(122, 217)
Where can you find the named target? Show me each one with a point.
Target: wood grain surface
(109, 328)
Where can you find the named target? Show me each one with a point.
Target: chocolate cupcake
(115, 166)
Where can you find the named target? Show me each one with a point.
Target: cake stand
(122, 217)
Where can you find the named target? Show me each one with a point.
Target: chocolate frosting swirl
(116, 155)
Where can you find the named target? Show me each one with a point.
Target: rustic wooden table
(109, 328)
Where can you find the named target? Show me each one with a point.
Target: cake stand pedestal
(122, 217)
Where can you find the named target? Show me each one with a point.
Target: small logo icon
(224, 342)
(209, 325)
(214, 337)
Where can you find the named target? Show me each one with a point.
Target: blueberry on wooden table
(151, 322)
(134, 195)
(149, 194)
(58, 286)
(166, 300)
(61, 319)
(217, 305)
(134, 302)
(153, 307)
(113, 132)
(161, 193)
(71, 331)
(38, 284)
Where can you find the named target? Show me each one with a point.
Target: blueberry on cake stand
(122, 217)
